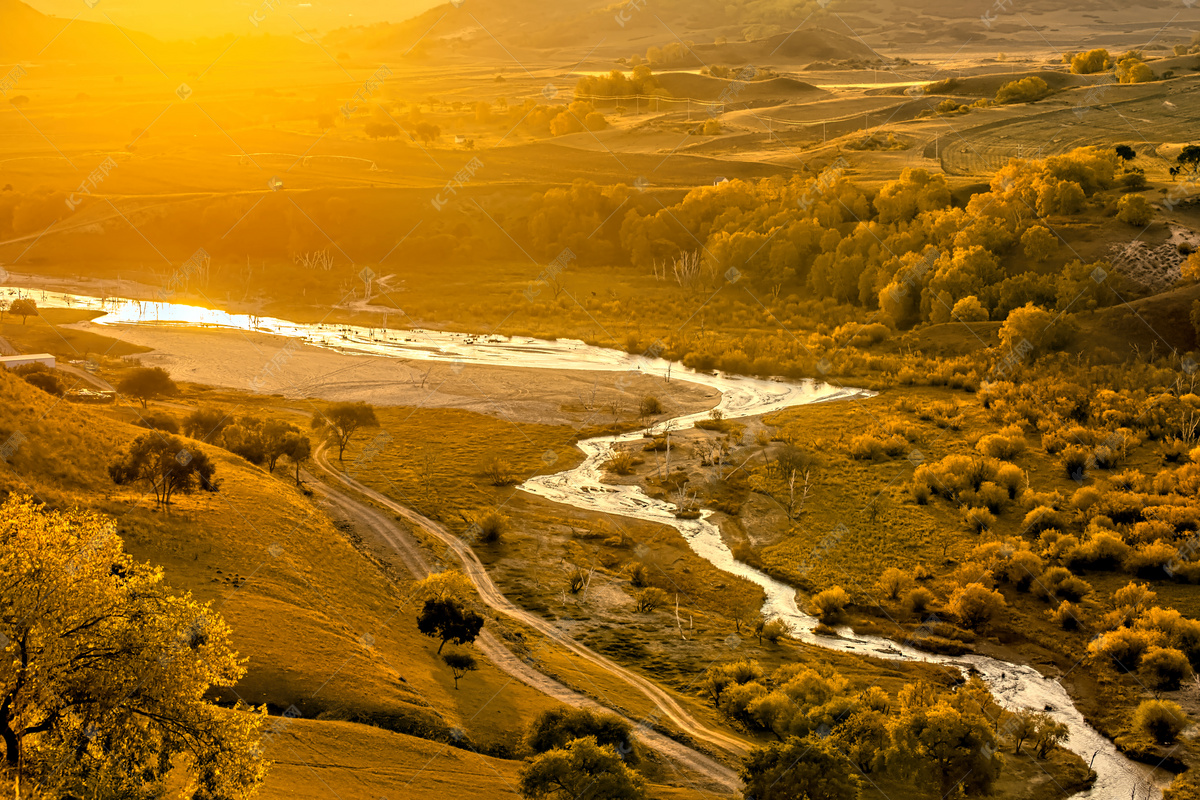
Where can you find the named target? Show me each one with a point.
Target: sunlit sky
(189, 19)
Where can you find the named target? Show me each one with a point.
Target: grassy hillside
(323, 630)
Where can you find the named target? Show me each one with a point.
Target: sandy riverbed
(238, 360)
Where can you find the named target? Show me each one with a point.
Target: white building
(12, 362)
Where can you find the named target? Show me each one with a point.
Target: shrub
(1149, 559)
(649, 599)
(892, 582)
(830, 604)
(978, 520)
(1132, 209)
(621, 463)
(1160, 720)
(1021, 569)
(158, 421)
(969, 309)
(1164, 668)
(492, 526)
(1124, 646)
(650, 406)
(1066, 616)
(1042, 518)
(918, 600)
(975, 604)
(1004, 445)
(774, 630)
(43, 378)
(1059, 583)
(638, 574)
(1075, 462)
(1025, 90)
(1012, 478)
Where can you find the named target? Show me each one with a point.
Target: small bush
(1160, 720)
(1075, 462)
(892, 582)
(639, 576)
(830, 604)
(975, 605)
(1164, 668)
(650, 599)
(774, 630)
(1066, 616)
(1124, 646)
(492, 526)
(158, 421)
(918, 600)
(979, 520)
(650, 406)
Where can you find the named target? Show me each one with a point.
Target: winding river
(1014, 686)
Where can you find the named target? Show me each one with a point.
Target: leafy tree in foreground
(798, 768)
(583, 770)
(343, 420)
(449, 620)
(147, 383)
(23, 307)
(105, 669)
(946, 745)
(167, 464)
(557, 727)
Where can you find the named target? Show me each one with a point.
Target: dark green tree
(449, 620)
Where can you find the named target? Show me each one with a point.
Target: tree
(1132, 209)
(427, 131)
(1160, 720)
(460, 664)
(1190, 269)
(167, 464)
(557, 727)
(3, 309)
(1164, 668)
(799, 768)
(206, 424)
(1039, 242)
(381, 130)
(276, 436)
(1031, 330)
(969, 309)
(1048, 734)
(298, 449)
(1090, 62)
(975, 604)
(583, 770)
(1025, 90)
(1188, 160)
(23, 307)
(1021, 727)
(450, 620)
(106, 670)
(342, 420)
(946, 745)
(1125, 152)
(147, 383)
(830, 603)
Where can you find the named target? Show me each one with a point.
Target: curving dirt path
(505, 659)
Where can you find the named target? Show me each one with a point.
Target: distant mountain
(27, 34)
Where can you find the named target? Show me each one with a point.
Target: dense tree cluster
(924, 734)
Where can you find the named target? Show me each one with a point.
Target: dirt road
(387, 531)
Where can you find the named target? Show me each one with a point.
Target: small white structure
(12, 362)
